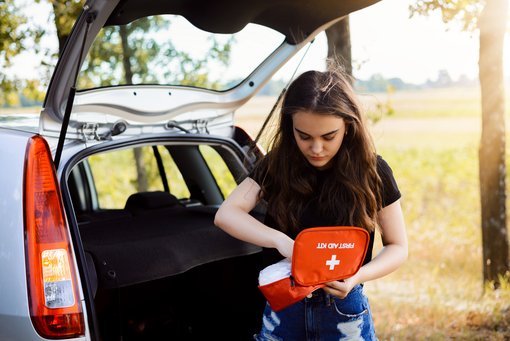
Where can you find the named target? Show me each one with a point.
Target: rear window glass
(219, 170)
(174, 177)
(121, 173)
(169, 50)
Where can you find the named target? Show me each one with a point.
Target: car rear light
(52, 283)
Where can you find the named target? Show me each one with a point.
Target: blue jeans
(321, 317)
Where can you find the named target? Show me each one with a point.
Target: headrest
(150, 201)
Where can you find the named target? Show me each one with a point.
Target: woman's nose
(316, 147)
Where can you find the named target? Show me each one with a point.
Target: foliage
(11, 36)
(15, 37)
(104, 65)
(147, 58)
(134, 54)
(377, 83)
(18, 34)
(465, 12)
(194, 72)
(65, 13)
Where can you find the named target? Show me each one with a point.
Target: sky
(384, 41)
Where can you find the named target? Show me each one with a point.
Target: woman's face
(318, 136)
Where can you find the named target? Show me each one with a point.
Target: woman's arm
(392, 255)
(233, 217)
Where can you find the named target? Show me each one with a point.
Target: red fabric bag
(325, 254)
(284, 292)
(320, 255)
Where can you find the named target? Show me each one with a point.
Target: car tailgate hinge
(94, 132)
(89, 131)
(201, 126)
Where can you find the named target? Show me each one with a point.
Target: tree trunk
(61, 35)
(492, 165)
(339, 44)
(141, 172)
(126, 55)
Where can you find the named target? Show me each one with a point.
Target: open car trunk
(158, 267)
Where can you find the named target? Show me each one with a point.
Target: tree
(443, 79)
(490, 17)
(14, 38)
(339, 44)
(492, 153)
(339, 50)
(65, 14)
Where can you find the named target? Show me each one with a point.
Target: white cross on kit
(332, 262)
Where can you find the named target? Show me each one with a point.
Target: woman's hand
(233, 217)
(341, 289)
(285, 245)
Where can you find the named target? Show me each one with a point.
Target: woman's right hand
(233, 217)
(285, 245)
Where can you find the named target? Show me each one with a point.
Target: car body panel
(295, 19)
(15, 322)
(14, 314)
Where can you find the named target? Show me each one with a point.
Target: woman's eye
(329, 138)
(304, 138)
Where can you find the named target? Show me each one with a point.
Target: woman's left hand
(340, 289)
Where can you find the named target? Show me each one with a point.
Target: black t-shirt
(311, 216)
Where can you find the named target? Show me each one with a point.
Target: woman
(322, 170)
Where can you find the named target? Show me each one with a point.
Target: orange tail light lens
(54, 302)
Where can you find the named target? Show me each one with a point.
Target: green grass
(439, 293)
(443, 272)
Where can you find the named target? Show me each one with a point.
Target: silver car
(107, 206)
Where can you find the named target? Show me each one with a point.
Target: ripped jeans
(321, 317)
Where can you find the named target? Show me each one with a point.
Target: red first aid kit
(325, 254)
(320, 255)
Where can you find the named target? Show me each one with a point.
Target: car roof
(293, 18)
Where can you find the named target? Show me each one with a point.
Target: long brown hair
(287, 179)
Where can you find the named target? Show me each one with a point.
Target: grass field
(431, 142)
